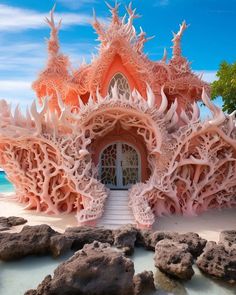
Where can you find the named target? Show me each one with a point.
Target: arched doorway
(119, 165)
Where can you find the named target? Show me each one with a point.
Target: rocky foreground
(101, 265)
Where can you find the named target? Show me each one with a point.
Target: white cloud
(72, 4)
(18, 19)
(208, 76)
(17, 92)
(6, 85)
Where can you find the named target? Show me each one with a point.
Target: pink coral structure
(120, 122)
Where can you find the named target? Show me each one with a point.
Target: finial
(114, 12)
(53, 43)
(141, 40)
(177, 39)
(132, 11)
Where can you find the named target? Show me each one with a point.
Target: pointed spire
(141, 40)
(53, 42)
(114, 12)
(98, 27)
(177, 52)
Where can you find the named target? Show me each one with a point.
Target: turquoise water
(18, 276)
(5, 185)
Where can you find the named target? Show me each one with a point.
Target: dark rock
(219, 261)
(14, 221)
(4, 227)
(32, 240)
(195, 243)
(148, 240)
(228, 238)
(60, 244)
(144, 239)
(43, 288)
(144, 283)
(125, 237)
(42, 239)
(86, 235)
(174, 259)
(97, 269)
(7, 222)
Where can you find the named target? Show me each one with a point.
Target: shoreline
(208, 224)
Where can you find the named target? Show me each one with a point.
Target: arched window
(122, 85)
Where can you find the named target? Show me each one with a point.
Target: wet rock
(195, 243)
(86, 235)
(32, 240)
(228, 238)
(219, 261)
(168, 284)
(174, 259)
(43, 288)
(14, 221)
(7, 222)
(149, 239)
(144, 283)
(144, 239)
(97, 269)
(125, 237)
(60, 244)
(4, 227)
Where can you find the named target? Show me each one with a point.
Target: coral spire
(114, 12)
(142, 39)
(53, 42)
(177, 52)
(98, 27)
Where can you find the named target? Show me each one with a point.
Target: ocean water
(18, 276)
(5, 185)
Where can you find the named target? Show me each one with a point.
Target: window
(122, 85)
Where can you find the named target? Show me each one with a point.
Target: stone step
(117, 205)
(117, 211)
(116, 223)
(118, 193)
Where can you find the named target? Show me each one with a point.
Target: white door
(119, 166)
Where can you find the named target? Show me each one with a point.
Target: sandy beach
(208, 225)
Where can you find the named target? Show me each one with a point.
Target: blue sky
(209, 39)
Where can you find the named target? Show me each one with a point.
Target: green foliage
(225, 86)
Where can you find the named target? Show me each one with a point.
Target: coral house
(120, 128)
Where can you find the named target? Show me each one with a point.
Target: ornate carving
(47, 156)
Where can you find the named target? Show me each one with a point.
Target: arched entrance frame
(100, 119)
(118, 168)
(126, 136)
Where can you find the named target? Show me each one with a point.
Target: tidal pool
(18, 276)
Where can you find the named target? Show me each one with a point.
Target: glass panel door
(120, 166)
(108, 166)
(129, 165)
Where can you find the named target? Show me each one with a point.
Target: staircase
(116, 211)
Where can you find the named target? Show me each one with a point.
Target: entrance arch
(119, 165)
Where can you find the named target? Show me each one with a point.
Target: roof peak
(120, 28)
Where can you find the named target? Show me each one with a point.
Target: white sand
(208, 225)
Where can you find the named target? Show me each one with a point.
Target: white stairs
(116, 211)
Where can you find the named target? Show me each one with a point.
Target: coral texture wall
(48, 153)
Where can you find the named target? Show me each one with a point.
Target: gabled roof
(119, 38)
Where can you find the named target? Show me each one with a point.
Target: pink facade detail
(52, 153)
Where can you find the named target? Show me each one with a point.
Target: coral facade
(49, 153)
